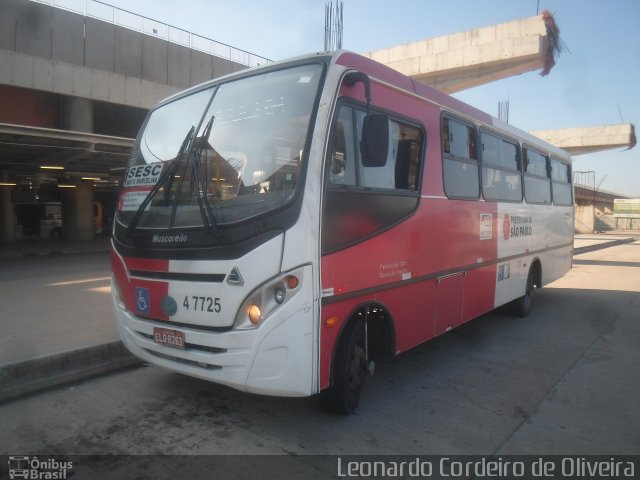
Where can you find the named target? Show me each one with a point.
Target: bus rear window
(561, 183)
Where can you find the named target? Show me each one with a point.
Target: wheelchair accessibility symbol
(142, 299)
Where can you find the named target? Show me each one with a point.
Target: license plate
(170, 338)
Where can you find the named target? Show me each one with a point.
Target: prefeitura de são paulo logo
(506, 226)
(514, 226)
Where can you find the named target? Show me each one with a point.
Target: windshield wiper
(168, 173)
(208, 218)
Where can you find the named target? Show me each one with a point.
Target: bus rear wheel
(521, 307)
(349, 373)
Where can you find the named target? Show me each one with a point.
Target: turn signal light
(254, 314)
(331, 322)
(292, 282)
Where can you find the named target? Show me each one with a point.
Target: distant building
(626, 212)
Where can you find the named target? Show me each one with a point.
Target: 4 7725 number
(202, 304)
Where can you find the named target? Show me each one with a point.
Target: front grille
(205, 366)
(190, 326)
(185, 277)
(192, 346)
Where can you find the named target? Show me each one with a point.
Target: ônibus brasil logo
(41, 469)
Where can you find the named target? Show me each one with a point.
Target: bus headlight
(268, 298)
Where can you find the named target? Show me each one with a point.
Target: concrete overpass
(594, 209)
(482, 55)
(475, 57)
(582, 140)
(76, 81)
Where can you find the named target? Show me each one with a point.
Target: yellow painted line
(100, 289)
(75, 282)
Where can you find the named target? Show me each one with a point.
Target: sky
(596, 83)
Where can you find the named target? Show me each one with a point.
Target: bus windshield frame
(242, 157)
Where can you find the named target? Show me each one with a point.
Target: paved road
(563, 381)
(52, 304)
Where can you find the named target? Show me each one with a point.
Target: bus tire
(349, 372)
(521, 307)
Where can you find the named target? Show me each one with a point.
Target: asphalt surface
(562, 381)
(59, 293)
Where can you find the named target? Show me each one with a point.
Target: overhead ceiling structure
(482, 55)
(68, 67)
(49, 156)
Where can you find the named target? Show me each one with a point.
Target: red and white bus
(281, 227)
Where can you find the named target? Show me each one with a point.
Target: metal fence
(133, 21)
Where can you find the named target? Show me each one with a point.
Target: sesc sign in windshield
(143, 175)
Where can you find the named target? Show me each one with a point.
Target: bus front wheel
(349, 373)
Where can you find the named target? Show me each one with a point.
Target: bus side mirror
(375, 140)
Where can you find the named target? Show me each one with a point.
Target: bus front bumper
(277, 358)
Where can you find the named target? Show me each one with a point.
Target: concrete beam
(65, 135)
(475, 57)
(578, 141)
(55, 50)
(59, 77)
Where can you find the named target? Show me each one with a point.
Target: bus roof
(394, 78)
(442, 99)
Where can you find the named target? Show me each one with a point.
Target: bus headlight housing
(267, 298)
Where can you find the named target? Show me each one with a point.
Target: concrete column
(7, 216)
(584, 215)
(77, 114)
(77, 212)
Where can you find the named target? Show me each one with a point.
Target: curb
(4, 256)
(29, 376)
(600, 246)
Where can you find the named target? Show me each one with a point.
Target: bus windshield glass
(221, 155)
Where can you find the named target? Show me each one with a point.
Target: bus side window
(561, 183)
(407, 159)
(343, 169)
(380, 177)
(537, 186)
(501, 175)
(404, 179)
(402, 168)
(460, 164)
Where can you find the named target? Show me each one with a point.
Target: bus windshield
(223, 154)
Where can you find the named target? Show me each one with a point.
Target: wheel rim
(528, 296)
(527, 300)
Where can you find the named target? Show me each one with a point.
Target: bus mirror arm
(354, 77)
